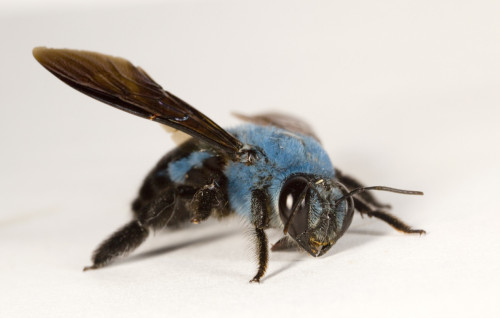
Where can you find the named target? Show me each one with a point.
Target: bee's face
(315, 220)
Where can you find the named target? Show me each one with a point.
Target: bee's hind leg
(154, 215)
(393, 221)
(123, 241)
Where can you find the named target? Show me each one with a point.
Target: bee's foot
(195, 220)
(87, 268)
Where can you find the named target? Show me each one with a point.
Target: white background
(402, 93)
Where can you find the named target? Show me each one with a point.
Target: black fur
(262, 254)
(121, 242)
(260, 211)
(162, 203)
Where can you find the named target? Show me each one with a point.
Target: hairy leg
(396, 223)
(123, 241)
(205, 200)
(262, 254)
(153, 216)
(260, 213)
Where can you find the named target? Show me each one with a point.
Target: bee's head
(315, 211)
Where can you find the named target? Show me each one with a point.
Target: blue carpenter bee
(273, 172)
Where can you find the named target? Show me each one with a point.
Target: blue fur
(177, 170)
(282, 153)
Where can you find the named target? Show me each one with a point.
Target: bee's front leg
(262, 254)
(260, 215)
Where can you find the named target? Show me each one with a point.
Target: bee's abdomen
(158, 179)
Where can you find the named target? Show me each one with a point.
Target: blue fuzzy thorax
(177, 170)
(281, 153)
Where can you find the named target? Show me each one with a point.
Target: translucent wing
(117, 82)
(281, 121)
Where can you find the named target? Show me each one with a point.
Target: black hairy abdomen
(159, 191)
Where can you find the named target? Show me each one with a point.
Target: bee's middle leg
(207, 198)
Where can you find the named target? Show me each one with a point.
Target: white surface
(403, 94)
(23, 6)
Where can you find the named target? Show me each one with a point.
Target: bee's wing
(117, 82)
(283, 121)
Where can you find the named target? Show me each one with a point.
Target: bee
(272, 171)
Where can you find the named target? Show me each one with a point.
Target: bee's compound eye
(289, 196)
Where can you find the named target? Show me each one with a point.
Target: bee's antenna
(381, 188)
